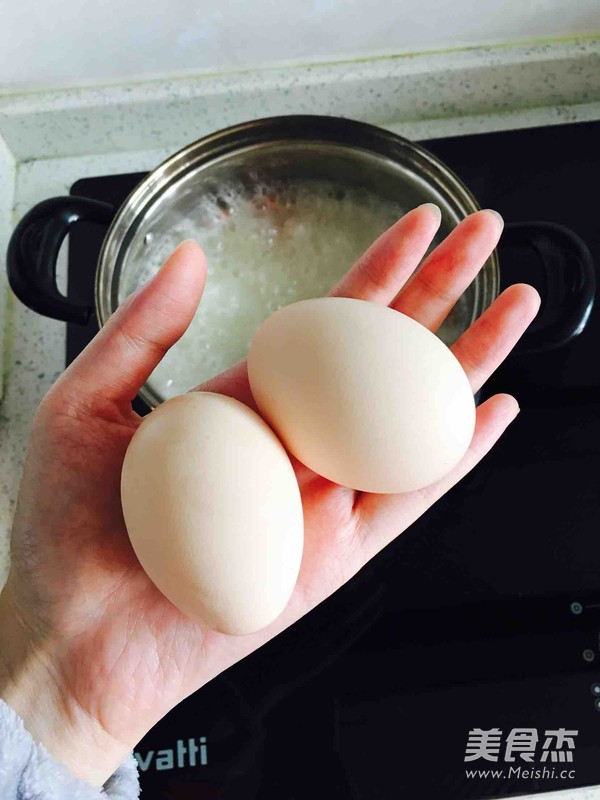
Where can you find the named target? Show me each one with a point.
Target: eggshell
(213, 511)
(362, 394)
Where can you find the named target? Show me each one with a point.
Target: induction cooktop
(463, 661)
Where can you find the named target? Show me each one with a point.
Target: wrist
(30, 682)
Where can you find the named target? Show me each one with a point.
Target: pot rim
(333, 130)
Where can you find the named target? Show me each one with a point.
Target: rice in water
(265, 248)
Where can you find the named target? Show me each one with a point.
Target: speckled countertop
(47, 141)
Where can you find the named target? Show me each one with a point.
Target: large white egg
(213, 511)
(362, 394)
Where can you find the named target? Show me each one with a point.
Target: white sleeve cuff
(29, 772)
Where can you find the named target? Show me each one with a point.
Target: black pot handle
(566, 280)
(568, 276)
(33, 252)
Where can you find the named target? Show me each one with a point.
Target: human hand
(91, 653)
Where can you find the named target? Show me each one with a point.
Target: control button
(576, 608)
(588, 655)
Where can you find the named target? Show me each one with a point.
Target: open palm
(118, 653)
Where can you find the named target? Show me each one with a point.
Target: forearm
(30, 683)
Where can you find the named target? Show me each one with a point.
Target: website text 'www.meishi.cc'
(535, 773)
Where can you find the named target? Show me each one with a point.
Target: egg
(213, 511)
(362, 394)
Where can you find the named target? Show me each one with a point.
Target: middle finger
(431, 293)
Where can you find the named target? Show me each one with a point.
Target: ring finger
(485, 345)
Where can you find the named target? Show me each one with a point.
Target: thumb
(121, 357)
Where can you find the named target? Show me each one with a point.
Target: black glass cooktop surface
(483, 616)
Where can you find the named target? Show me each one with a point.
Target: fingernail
(432, 207)
(516, 409)
(495, 213)
(168, 259)
(182, 244)
(149, 280)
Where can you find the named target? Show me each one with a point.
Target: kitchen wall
(60, 42)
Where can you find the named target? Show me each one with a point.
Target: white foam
(264, 250)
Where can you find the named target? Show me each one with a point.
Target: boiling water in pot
(265, 248)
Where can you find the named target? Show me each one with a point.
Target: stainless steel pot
(294, 147)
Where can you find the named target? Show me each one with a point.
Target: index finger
(120, 358)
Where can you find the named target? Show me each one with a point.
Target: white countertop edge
(584, 793)
(8, 171)
(429, 86)
(382, 66)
